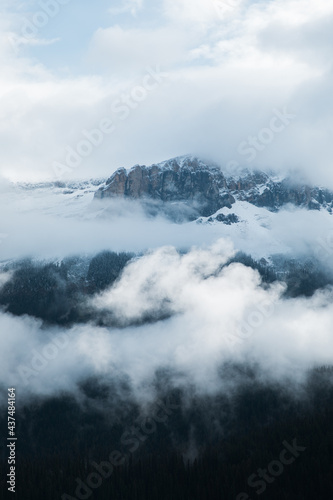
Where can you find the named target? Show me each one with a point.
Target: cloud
(219, 315)
(156, 281)
(5, 277)
(49, 222)
(46, 227)
(311, 41)
(17, 41)
(131, 50)
(226, 75)
(186, 12)
(131, 6)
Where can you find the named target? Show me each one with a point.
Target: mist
(45, 223)
(223, 78)
(194, 345)
(203, 314)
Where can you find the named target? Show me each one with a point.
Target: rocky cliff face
(207, 189)
(187, 180)
(264, 191)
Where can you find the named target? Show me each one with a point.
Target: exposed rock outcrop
(205, 188)
(188, 180)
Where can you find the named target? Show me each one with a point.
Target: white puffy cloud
(162, 279)
(218, 315)
(226, 75)
(131, 6)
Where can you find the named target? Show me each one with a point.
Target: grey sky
(228, 64)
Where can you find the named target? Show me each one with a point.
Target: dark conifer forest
(100, 442)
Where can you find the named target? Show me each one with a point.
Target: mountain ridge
(207, 187)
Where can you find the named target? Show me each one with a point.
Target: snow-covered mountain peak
(196, 182)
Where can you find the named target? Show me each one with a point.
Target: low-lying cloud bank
(214, 314)
(48, 223)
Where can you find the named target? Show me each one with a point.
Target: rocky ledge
(205, 188)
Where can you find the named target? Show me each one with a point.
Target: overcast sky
(162, 78)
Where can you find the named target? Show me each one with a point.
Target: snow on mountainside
(253, 225)
(203, 185)
(207, 188)
(261, 213)
(65, 199)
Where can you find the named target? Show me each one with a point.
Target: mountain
(263, 214)
(186, 179)
(207, 189)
